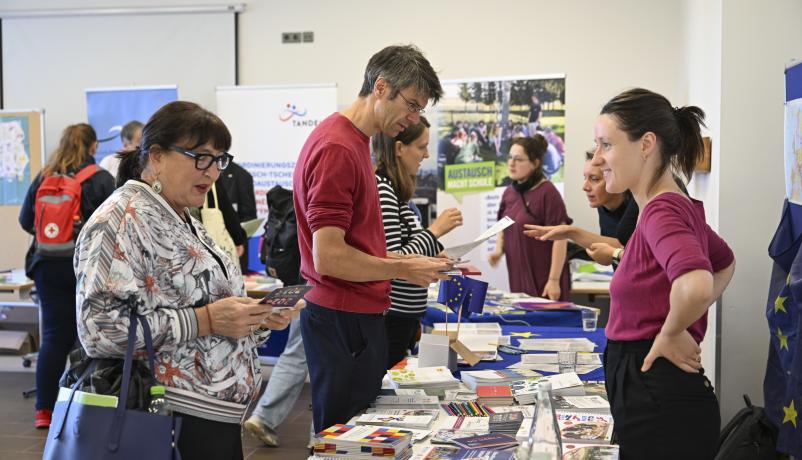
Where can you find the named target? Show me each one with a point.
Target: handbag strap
(214, 195)
(119, 412)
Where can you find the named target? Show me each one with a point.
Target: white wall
(758, 40)
(701, 86)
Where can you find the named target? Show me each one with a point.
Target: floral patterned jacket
(136, 252)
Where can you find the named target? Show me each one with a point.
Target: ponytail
(131, 165)
(690, 119)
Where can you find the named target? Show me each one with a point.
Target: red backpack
(58, 212)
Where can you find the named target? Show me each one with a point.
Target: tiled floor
(20, 441)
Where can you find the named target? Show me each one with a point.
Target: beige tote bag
(212, 219)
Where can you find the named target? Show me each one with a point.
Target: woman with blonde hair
(51, 269)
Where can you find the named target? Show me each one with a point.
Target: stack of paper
(472, 379)
(406, 402)
(487, 441)
(398, 421)
(351, 441)
(525, 391)
(569, 344)
(423, 377)
(434, 413)
(495, 395)
(507, 422)
(547, 362)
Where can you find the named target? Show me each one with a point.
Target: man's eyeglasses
(412, 106)
(204, 160)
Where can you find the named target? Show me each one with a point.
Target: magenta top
(671, 239)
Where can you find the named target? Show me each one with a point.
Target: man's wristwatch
(617, 254)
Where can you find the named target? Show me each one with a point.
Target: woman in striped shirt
(397, 164)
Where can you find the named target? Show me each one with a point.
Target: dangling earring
(157, 186)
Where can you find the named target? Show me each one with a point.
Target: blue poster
(108, 110)
(15, 159)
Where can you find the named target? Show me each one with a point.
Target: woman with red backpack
(55, 222)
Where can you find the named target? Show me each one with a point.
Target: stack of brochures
(351, 441)
(423, 378)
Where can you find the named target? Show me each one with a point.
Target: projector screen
(49, 61)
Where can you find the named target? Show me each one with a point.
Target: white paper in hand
(457, 252)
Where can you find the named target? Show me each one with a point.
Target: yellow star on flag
(790, 414)
(783, 339)
(525, 335)
(779, 304)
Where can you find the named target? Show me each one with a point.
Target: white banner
(269, 125)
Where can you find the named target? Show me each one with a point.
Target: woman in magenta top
(674, 267)
(535, 267)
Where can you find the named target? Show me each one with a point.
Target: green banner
(470, 177)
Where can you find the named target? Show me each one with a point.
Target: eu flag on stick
(463, 291)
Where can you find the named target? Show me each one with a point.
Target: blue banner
(108, 110)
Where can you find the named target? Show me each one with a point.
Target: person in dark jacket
(53, 275)
(238, 185)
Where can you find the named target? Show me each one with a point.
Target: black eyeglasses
(412, 106)
(204, 160)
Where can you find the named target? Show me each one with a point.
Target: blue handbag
(81, 431)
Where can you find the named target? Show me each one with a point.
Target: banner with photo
(109, 109)
(473, 128)
(269, 125)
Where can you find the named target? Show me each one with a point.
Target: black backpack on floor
(279, 251)
(750, 435)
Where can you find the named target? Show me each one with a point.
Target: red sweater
(671, 239)
(334, 186)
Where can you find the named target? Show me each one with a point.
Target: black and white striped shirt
(404, 235)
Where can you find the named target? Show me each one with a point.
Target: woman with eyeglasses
(142, 251)
(535, 267)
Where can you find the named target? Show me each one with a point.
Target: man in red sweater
(341, 236)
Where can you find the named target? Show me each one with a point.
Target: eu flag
(782, 385)
(464, 291)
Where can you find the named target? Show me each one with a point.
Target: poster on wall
(109, 109)
(21, 152)
(473, 128)
(793, 150)
(269, 125)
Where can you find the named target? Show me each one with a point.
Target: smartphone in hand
(286, 297)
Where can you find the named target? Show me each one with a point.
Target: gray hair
(402, 67)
